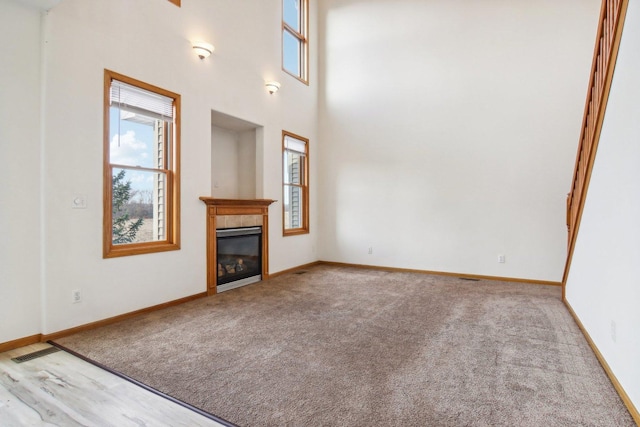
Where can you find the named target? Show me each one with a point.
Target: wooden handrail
(610, 26)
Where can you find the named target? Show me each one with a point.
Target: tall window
(295, 188)
(295, 45)
(141, 167)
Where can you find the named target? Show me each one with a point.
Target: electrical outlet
(501, 259)
(370, 250)
(613, 331)
(76, 296)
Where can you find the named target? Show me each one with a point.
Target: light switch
(79, 201)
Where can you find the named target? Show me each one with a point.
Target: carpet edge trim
(144, 386)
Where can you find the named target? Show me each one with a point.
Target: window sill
(138, 249)
(295, 232)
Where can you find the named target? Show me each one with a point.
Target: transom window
(295, 188)
(295, 45)
(141, 163)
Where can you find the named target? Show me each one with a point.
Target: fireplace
(239, 257)
(247, 220)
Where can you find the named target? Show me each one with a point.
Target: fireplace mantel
(232, 213)
(213, 201)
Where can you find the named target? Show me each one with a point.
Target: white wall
(247, 164)
(602, 286)
(233, 163)
(149, 41)
(301, 119)
(449, 131)
(20, 171)
(224, 163)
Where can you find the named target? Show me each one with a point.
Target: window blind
(138, 100)
(294, 145)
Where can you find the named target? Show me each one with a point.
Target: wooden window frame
(304, 229)
(176, 2)
(302, 38)
(172, 220)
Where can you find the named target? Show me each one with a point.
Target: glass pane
(293, 167)
(164, 152)
(135, 139)
(292, 207)
(238, 257)
(291, 53)
(139, 206)
(291, 14)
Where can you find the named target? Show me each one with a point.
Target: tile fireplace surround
(233, 213)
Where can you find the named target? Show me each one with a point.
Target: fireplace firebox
(239, 257)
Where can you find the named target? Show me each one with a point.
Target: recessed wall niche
(234, 147)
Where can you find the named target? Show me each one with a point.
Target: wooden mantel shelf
(212, 201)
(232, 213)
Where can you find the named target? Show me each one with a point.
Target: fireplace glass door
(239, 257)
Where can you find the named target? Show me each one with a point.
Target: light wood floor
(61, 390)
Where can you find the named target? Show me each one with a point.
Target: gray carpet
(341, 346)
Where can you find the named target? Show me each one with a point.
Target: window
(295, 55)
(141, 167)
(295, 184)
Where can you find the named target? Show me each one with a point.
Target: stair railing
(610, 26)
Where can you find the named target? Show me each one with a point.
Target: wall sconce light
(203, 49)
(272, 87)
